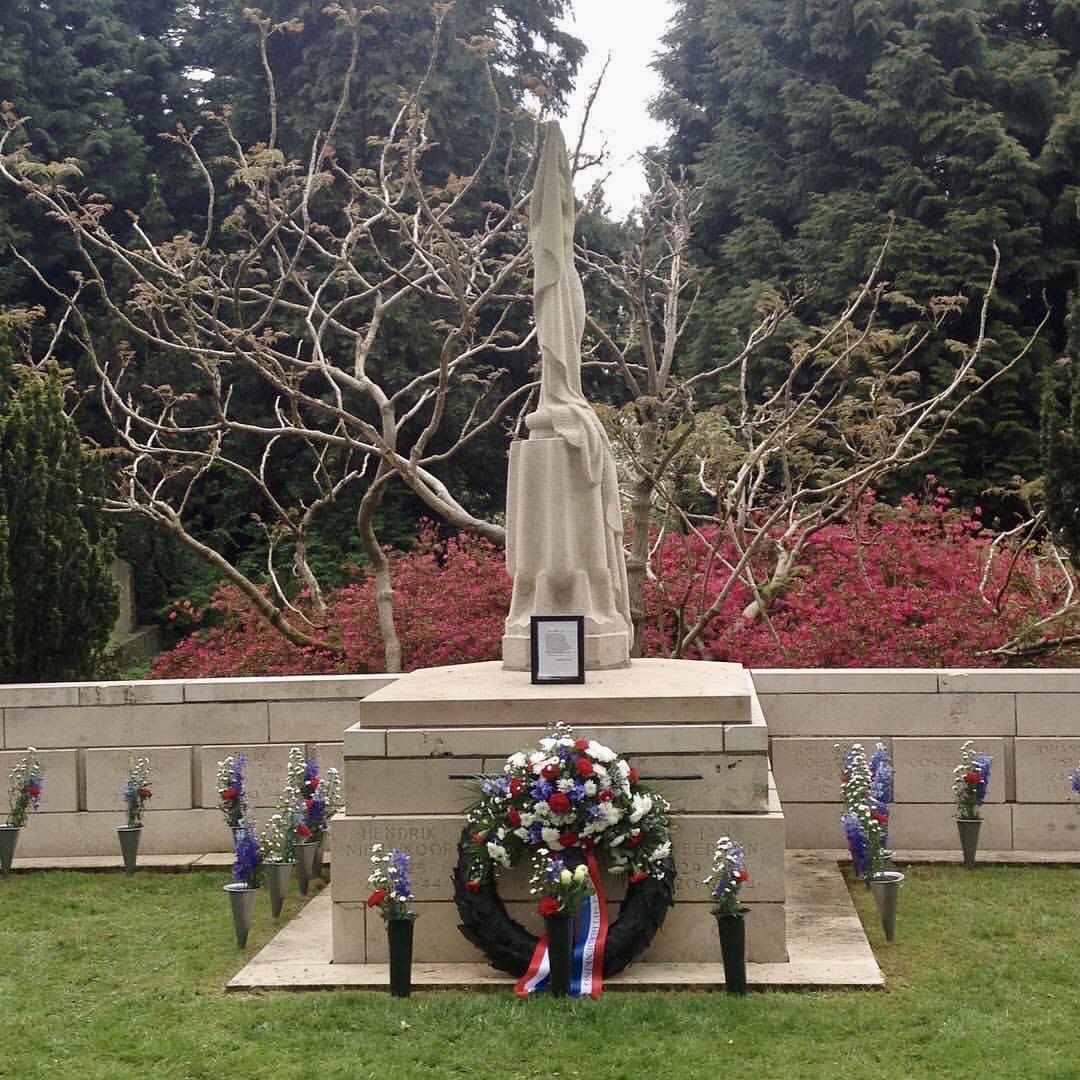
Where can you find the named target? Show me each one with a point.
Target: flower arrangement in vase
(135, 793)
(276, 841)
(867, 790)
(392, 894)
(970, 780)
(247, 872)
(26, 781)
(231, 790)
(727, 877)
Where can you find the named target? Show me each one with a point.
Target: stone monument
(564, 534)
(695, 729)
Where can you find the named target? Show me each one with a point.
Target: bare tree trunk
(640, 516)
(380, 566)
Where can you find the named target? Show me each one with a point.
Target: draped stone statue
(564, 527)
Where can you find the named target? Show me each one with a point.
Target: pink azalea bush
(892, 587)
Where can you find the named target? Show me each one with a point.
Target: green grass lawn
(104, 976)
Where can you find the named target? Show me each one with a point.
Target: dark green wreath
(509, 946)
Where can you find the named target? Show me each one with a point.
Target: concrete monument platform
(487, 695)
(826, 948)
(694, 730)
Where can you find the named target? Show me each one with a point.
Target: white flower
(565, 784)
(642, 804)
(624, 769)
(601, 774)
(662, 852)
(566, 741)
(551, 838)
(579, 872)
(522, 833)
(542, 809)
(527, 819)
(566, 877)
(537, 757)
(612, 814)
(590, 789)
(498, 853)
(515, 761)
(599, 752)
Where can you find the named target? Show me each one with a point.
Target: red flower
(739, 875)
(568, 839)
(145, 793)
(309, 803)
(313, 783)
(635, 839)
(228, 794)
(583, 767)
(513, 818)
(376, 898)
(881, 818)
(516, 787)
(550, 772)
(33, 790)
(581, 744)
(548, 906)
(638, 876)
(302, 830)
(973, 778)
(606, 795)
(559, 803)
(479, 837)
(635, 776)
(844, 778)
(472, 885)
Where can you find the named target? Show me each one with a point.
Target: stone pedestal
(695, 726)
(560, 552)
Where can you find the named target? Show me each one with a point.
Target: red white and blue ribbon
(590, 938)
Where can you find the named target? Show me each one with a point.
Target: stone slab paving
(826, 948)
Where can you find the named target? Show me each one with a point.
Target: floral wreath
(573, 796)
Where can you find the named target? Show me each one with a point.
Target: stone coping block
(845, 680)
(59, 793)
(1047, 828)
(807, 768)
(136, 725)
(846, 715)
(146, 692)
(264, 774)
(165, 832)
(1048, 714)
(38, 695)
(171, 778)
(996, 681)
(311, 721)
(1042, 768)
(286, 687)
(484, 695)
(924, 768)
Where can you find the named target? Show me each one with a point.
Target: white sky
(630, 30)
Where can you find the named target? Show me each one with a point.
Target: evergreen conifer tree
(57, 599)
